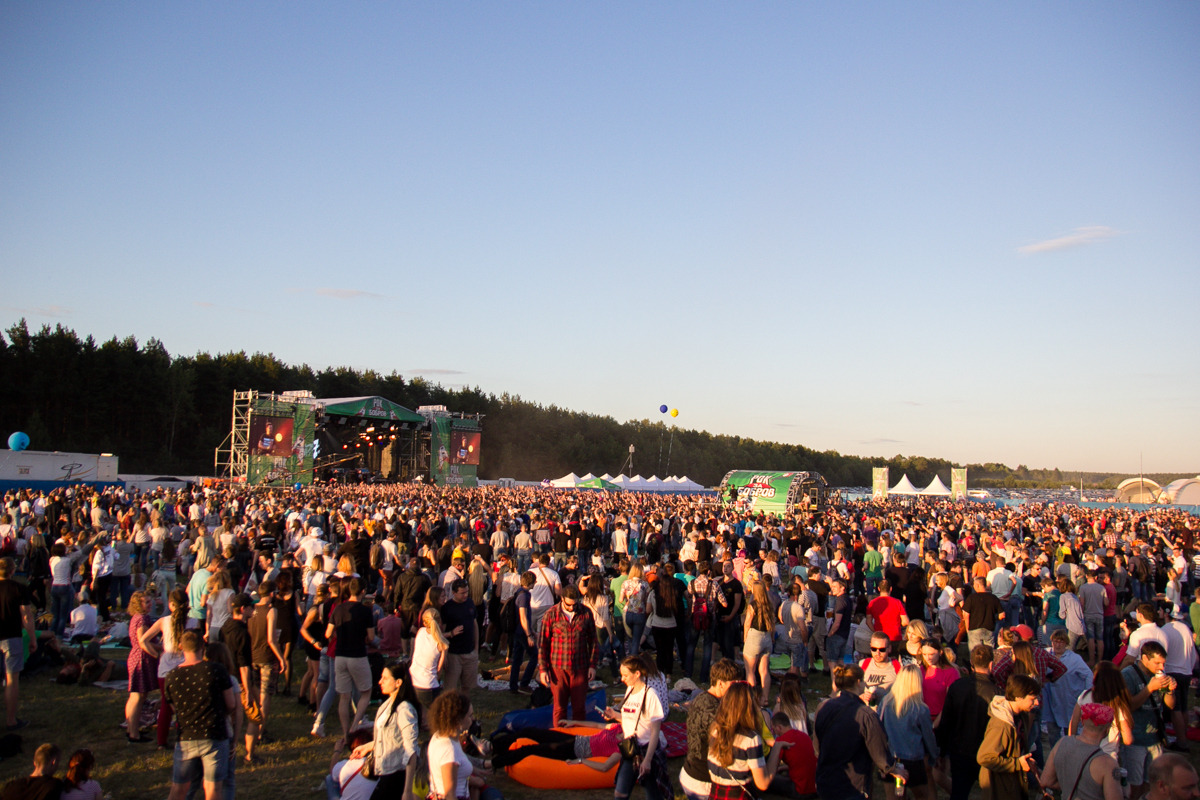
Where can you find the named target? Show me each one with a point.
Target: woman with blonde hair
(634, 594)
(218, 593)
(909, 727)
(758, 638)
(792, 703)
(735, 747)
(914, 633)
(429, 655)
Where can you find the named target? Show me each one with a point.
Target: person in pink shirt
(937, 676)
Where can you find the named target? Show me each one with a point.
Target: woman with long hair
(450, 771)
(758, 639)
(599, 601)
(169, 630)
(38, 559)
(394, 740)
(429, 655)
(218, 593)
(286, 613)
(792, 703)
(312, 641)
(1109, 689)
(78, 783)
(141, 666)
(735, 747)
(634, 594)
(662, 607)
(909, 727)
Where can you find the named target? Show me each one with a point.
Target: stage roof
(368, 408)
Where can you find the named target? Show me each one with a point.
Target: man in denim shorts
(202, 696)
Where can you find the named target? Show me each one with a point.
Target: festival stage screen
(271, 436)
(464, 447)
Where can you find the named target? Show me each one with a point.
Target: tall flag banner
(879, 483)
(958, 483)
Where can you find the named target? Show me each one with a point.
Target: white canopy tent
(903, 486)
(936, 488)
(635, 484)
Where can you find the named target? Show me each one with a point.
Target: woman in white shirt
(62, 593)
(395, 734)
(429, 654)
(449, 768)
(641, 716)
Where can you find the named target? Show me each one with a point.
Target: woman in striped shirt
(735, 747)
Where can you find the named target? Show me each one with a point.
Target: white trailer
(38, 469)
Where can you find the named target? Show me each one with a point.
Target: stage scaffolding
(231, 460)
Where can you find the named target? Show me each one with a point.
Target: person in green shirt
(619, 605)
(872, 567)
(1194, 613)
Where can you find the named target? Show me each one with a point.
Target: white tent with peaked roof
(936, 488)
(903, 486)
(566, 481)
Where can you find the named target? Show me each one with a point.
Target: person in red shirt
(800, 759)
(887, 615)
(567, 654)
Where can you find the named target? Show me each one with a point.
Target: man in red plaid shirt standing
(567, 652)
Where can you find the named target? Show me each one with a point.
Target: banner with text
(958, 483)
(879, 483)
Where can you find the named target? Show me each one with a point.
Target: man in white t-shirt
(1181, 660)
(545, 591)
(1148, 631)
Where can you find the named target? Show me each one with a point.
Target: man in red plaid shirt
(567, 653)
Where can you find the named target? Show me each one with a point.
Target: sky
(967, 231)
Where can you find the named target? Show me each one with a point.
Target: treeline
(166, 414)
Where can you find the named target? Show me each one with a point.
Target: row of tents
(905, 487)
(624, 483)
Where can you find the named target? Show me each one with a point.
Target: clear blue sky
(944, 229)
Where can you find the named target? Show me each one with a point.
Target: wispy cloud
(786, 425)
(911, 403)
(42, 311)
(1076, 238)
(202, 304)
(347, 294)
(436, 372)
(881, 440)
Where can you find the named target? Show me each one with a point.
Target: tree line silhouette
(165, 414)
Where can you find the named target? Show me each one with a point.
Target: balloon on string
(299, 486)
(662, 409)
(674, 412)
(18, 441)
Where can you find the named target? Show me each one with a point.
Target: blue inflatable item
(18, 441)
(543, 716)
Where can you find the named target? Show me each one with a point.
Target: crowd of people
(1013, 648)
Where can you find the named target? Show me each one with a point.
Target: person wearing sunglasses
(880, 670)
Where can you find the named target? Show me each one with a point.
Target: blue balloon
(299, 486)
(18, 441)
(662, 409)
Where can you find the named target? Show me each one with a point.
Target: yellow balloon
(674, 412)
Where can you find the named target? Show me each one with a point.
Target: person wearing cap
(235, 635)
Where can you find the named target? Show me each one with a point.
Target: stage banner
(281, 443)
(879, 483)
(758, 491)
(958, 483)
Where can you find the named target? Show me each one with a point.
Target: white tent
(606, 477)
(587, 477)
(621, 480)
(567, 481)
(1183, 492)
(936, 488)
(904, 486)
